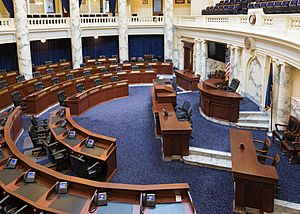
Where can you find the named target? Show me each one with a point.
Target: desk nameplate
(107, 86)
(135, 72)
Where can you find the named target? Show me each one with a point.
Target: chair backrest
(48, 62)
(114, 79)
(20, 78)
(174, 84)
(140, 59)
(154, 60)
(38, 86)
(78, 166)
(97, 82)
(186, 106)
(118, 68)
(65, 67)
(80, 87)
(102, 56)
(115, 56)
(16, 98)
(234, 84)
(55, 80)
(86, 73)
(33, 137)
(2, 71)
(135, 67)
(293, 124)
(49, 151)
(61, 96)
(86, 58)
(3, 84)
(168, 60)
(49, 71)
(133, 59)
(33, 121)
(148, 67)
(62, 60)
(104, 70)
(98, 63)
(83, 65)
(36, 74)
(70, 76)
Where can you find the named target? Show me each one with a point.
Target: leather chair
(154, 60)
(48, 62)
(174, 85)
(118, 68)
(168, 60)
(36, 74)
(184, 108)
(66, 67)
(80, 87)
(135, 67)
(86, 58)
(140, 59)
(86, 73)
(104, 70)
(262, 148)
(3, 71)
(55, 80)
(97, 82)
(37, 141)
(38, 86)
(233, 85)
(3, 84)
(102, 56)
(70, 76)
(62, 60)
(17, 100)
(61, 96)
(20, 78)
(288, 131)
(40, 125)
(80, 167)
(49, 71)
(114, 79)
(56, 155)
(133, 59)
(149, 67)
(290, 147)
(83, 65)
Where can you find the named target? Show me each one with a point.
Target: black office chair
(49, 71)
(115, 56)
(48, 62)
(114, 79)
(38, 86)
(83, 170)
(104, 70)
(3, 84)
(3, 71)
(40, 125)
(36, 74)
(37, 141)
(56, 155)
(70, 76)
(149, 67)
(184, 108)
(61, 96)
(118, 68)
(83, 65)
(135, 67)
(66, 67)
(20, 78)
(97, 82)
(186, 116)
(17, 100)
(125, 61)
(86, 58)
(140, 59)
(174, 85)
(55, 80)
(133, 59)
(154, 60)
(62, 60)
(80, 87)
(233, 85)
(102, 56)
(86, 73)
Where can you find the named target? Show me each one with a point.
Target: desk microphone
(165, 112)
(242, 146)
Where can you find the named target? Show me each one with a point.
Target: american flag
(227, 70)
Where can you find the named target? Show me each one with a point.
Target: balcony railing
(152, 20)
(7, 24)
(98, 21)
(44, 23)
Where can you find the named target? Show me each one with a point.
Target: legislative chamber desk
(81, 102)
(56, 67)
(254, 183)
(217, 103)
(164, 92)
(9, 77)
(186, 80)
(42, 197)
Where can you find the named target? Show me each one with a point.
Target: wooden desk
(57, 67)
(217, 103)
(187, 80)
(164, 93)
(10, 77)
(80, 191)
(80, 102)
(254, 182)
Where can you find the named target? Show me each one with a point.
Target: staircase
(253, 120)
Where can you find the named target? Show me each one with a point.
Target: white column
(275, 91)
(123, 30)
(284, 94)
(22, 39)
(28, 6)
(204, 53)
(180, 54)
(231, 50)
(75, 34)
(168, 29)
(197, 57)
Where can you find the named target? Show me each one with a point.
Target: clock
(252, 19)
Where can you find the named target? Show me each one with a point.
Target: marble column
(204, 55)
(75, 34)
(22, 39)
(275, 90)
(238, 63)
(197, 57)
(180, 54)
(168, 29)
(232, 59)
(123, 30)
(284, 94)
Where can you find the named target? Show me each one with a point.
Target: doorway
(188, 55)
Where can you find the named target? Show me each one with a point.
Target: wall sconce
(95, 37)
(43, 40)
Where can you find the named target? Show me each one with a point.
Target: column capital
(197, 40)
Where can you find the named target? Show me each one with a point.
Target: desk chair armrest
(44, 120)
(294, 134)
(52, 144)
(91, 167)
(282, 125)
(59, 151)
(266, 157)
(258, 141)
(262, 151)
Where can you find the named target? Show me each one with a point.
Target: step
(253, 114)
(253, 125)
(259, 121)
(210, 153)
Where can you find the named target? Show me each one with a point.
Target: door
(188, 55)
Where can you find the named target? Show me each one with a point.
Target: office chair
(37, 141)
(98, 63)
(86, 73)
(86, 58)
(48, 62)
(80, 87)
(39, 125)
(61, 96)
(133, 59)
(115, 56)
(83, 65)
(102, 56)
(140, 59)
(83, 170)
(70, 76)
(49, 71)
(3, 71)
(56, 155)
(3, 84)
(149, 67)
(135, 67)
(17, 100)
(186, 116)
(154, 60)
(184, 108)
(262, 148)
(55, 80)
(288, 131)
(118, 69)
(125, 61)
(38, 86)
(36, 74)
(20, 78)
(65, 67)
(97, 82)
(62, 60)
(233, 85)
(114, 79)
(174, 85)
(104, 70)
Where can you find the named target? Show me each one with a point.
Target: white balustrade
(7, 24)
(45, 23)
(98, 21)
(151, 20)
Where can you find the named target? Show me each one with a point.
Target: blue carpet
(139, 157)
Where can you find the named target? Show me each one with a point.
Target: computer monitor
(61, 113)
(11, 163)
(29, 177)
(100, 199)
(62, 187)
(63, 123)
(148, 200)
(89, 143)
(72, 134)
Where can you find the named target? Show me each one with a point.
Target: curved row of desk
(41, 196)
(27, 91)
